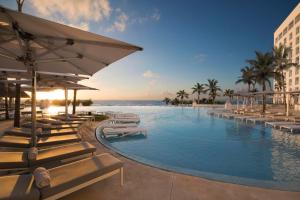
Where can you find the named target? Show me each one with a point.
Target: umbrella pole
(74, 102)
(66, 103)
(6, 102)
(33, 108)
(17, 106)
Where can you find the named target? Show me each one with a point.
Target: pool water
(190, 141)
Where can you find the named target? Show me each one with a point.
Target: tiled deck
(144, 182)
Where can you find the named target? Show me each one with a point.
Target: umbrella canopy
(53, 85)
(35, 44)
(23, 74)
(54, 47)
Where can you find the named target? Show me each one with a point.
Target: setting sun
(51, 95)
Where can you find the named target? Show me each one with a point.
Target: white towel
(42, 177)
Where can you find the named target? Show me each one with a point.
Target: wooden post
(66, 103)
(74, 102)
(33, 107)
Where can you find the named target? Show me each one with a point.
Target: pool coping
(281, 186)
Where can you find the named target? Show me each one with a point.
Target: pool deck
(142, 182)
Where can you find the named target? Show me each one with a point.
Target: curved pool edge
(281, 186)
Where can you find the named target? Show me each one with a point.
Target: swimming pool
(189, 141)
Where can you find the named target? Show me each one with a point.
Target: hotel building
(288, 34)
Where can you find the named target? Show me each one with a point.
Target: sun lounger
(278, 124)
(18, 187)
(65, 179)
(26, 132)
(63, 118)
(119, 125)
(125, 120)
(123, 131)
(23, 142)
(293, 128)
(51, 127)
(57, 122)
(14, 160)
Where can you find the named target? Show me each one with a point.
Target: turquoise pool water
(189, 141)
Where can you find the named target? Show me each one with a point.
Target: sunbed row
(275, 120)
(54, 168)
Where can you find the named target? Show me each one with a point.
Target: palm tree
(182, 95)
(198, 88)
(167, 100)
(229, 93)
(263, 72)
(212, 88)
(247, 77)
(282, 62)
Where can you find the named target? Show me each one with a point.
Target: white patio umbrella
(35, 44)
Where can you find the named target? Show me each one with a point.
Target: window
(297, 18)
(290, 36)
(296, 88)
(290, 73)
(297, 70)
(290, 82)
(297, 40)
(285, 31)
(284, 41)
(280, 36)
(297, 81)
(291, 25)
(297, 30)
(297, 60)
(297, 50)
(291, 44)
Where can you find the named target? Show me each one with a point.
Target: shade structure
(35, 44)
(11, 92)
(55, 84)
(55, 47)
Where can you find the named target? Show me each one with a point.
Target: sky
(184, 42)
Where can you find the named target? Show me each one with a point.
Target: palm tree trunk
(264, 98)
(284, 92)
(198, 98)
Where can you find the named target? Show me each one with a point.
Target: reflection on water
(285, 155)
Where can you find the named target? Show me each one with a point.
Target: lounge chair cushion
(25, 132)
(18, 187)
(22, 142)
(51, 127)
(76, 173)
(10, 160)
(62, 152)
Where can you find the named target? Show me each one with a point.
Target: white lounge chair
(123, 131)
(120, 125)
(125, 120)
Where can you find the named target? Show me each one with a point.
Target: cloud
(200, 57)
(94, 10)
(154, 16)
(150, 74)
(121, 22)
(74, 13)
